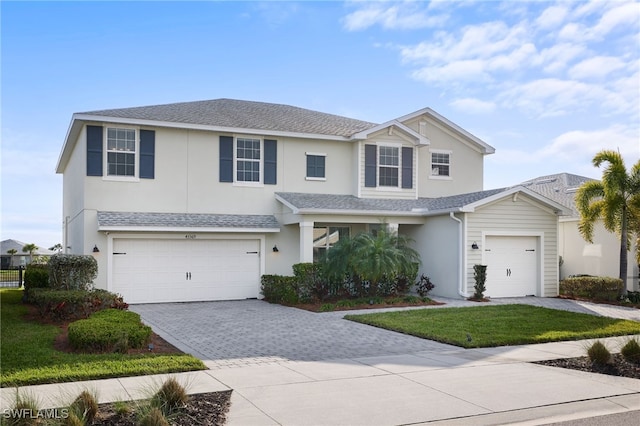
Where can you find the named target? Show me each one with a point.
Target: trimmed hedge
(36, 276)
(279, 289)
(109, 330)
(73, 304)
(596, 288)
(72, 272)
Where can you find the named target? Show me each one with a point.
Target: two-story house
(195, 201)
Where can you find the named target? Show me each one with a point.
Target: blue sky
(548, 84)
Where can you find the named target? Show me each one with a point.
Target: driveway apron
(234, 333)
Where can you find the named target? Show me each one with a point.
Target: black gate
(11, 277)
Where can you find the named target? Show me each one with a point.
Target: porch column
(306, 242)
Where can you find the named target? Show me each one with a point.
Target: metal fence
(11, 277)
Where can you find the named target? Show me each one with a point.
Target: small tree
(57, 248)
(11, 252)
(480, 276)
(72, 272)
(30, 248)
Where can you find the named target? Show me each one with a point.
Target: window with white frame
(325, 237)
(316, 166)
(121, 152)
(247, 160)
(388, 166)
(441, 164)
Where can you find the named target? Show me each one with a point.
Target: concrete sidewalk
(474, 386)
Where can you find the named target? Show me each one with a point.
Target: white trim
(186, 229)
(315, 154)
(317, 179)
(319, 154)
(136, 154)
(417, 137)
(260, 181)
(559, 208)
(450, 164)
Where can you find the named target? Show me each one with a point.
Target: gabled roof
(183, 222)
(560, 187)
(301, 203)
(250, 117)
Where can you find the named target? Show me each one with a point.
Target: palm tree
(372, 258)
(57, 248)
(614, 200)
(11, 252)
(30, 248)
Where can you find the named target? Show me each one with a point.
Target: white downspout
(461, 291)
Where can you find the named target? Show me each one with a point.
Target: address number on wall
(190, 236)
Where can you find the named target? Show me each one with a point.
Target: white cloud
(473, 106)
(456, 72)
(622, 15)
(552, 17)
(585, 144)
(405, 15)
(557, 57)
(596, 67)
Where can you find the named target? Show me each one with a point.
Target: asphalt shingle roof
(234, 113)
(560, 188)
(185, 220)
(334, 202)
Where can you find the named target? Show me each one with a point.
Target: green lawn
(27, 356)
(488, 326)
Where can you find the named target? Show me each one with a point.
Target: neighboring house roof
(119, 221)
(301, 203)
(250, 117)
(560, 187)
(7, 245)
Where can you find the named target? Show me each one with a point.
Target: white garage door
(511, 266)
(150, 270)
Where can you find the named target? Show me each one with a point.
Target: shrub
(633, 296)
(154, 418)
(22, 404)
(35, 276)
(72, 272)
(76, 304)
(631, 351)
(107, 330)
(596, 288)
(599, 354)
(279, 289)
(85, 407)
(309, 282)
(480, 276)
(170, 396)
(424, 286)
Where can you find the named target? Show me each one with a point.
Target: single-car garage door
(157, 270)
(512, 266)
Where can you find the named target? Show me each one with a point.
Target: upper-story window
(441, 164)
(248, 160)
(388, 166)
(316, 166)
(121, 152)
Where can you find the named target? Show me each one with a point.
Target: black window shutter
(407, 167)
(270, 161)
(147, 154)
(94, 150)
(226, 159)
(370, 166)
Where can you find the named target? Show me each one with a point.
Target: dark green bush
(633, 296)
(109, 330)
(596, 288)
(36, 276)
(310, 284)
(631, 351)
(73, 304)
(480, 276)
(72, 272)
(279, 289)
(598, 353)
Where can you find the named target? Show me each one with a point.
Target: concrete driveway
(240, 333)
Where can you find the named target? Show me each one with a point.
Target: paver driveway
(253, 332)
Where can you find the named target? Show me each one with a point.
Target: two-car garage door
(164, 270)
(512, 265)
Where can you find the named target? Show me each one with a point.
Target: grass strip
(501, 325)
(28, 357)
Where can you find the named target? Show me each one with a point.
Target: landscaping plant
(84, 407)
(599, 354)
(424, 286)
(631, 351)
(480, 276)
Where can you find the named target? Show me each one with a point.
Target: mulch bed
(618, 366)
(203, 409)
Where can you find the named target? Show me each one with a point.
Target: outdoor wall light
(474, 246)
(96, 249)
(275, 249)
